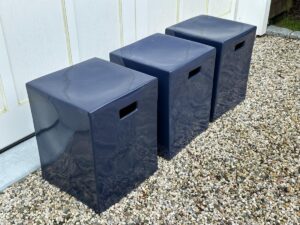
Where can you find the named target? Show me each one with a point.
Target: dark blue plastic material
(234, 43)
(96, 129)
(185, 76)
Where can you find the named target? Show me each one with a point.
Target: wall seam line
(66, 31)
(19, 101)
(121, 23)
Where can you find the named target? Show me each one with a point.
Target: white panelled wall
(41, 36)
(32, 43)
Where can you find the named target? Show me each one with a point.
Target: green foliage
(290, 23)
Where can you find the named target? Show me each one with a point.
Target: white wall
(41, 36)
(254, 12)
(32, 43)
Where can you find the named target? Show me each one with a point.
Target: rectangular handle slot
(194, 72)
(127, 110)
(239, 45)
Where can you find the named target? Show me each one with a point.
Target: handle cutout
(127, 110)
(239, 45)
(194, 72)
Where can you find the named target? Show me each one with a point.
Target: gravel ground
(244, 170)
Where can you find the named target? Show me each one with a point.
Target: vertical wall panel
(35, 39)
(70, 20)
(98, 27)
(33, 43)
(129, 21)
(161, 14)
(191, 8)
(154, 16)
(2, 98)
(8, 86)
(222, 8)
(255, 13)
(141, 19)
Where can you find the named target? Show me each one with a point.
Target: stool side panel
(232, 61)
(233, 72)
(217, 68)
(174, 31)
(64, 143)
(163, 97)
(125, 149)
(190, 102)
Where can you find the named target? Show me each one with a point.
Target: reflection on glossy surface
(183, 103)
(234, 43)
(190, 104)
(129, 147)
(94, 155)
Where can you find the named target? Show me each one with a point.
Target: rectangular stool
(234, 43)
(96, 130)
(185, 77)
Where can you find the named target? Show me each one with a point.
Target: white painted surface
(160, 15)
(222, 8)
(41, 36)
(128, 21)
(34, 36)
(2, 97)
(32, 43)
(98, 26)
(18, 162)
(255, 13)
(191, 8)
(153, 16)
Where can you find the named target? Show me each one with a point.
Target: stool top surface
(164, 52)
(91, 84)
(211, 28)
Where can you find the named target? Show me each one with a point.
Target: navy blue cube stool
(96, 130)
(185, 77)
(234, 43)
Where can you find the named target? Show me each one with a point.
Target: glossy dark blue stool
(96, 130)
(234, 43)
(185, 76)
